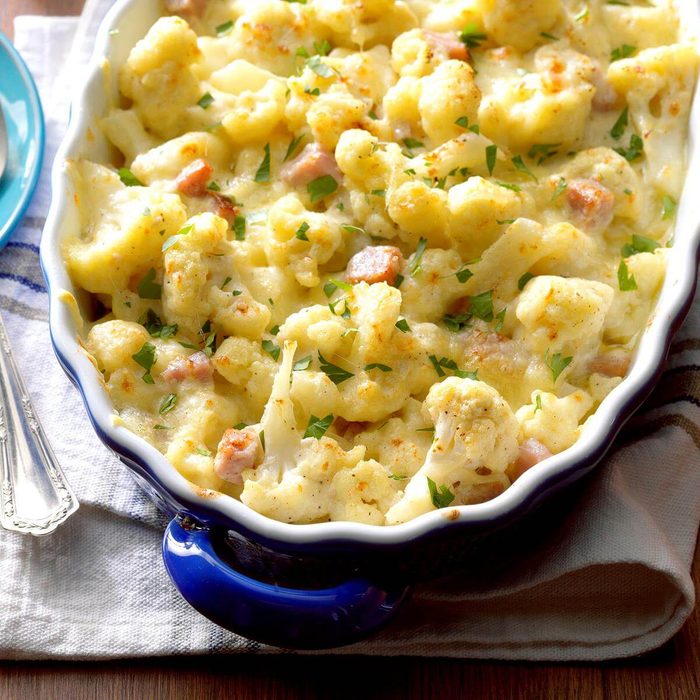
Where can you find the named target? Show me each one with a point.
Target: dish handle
(284, 617)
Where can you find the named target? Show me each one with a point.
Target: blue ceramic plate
(25, 127)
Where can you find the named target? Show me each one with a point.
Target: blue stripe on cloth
(20, 244)
(24, 281)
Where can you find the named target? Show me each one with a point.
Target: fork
(35, 497)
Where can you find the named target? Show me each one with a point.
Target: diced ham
(591, 204)
(611, 364)
(313, 162)
(447, 43)
(460, 306)
(373, 264)
(530, 452)
(224, 207)
(196, 366)
(193, 179)
(237, 450)
(185, 7)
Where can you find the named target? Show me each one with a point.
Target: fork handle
(35, 496)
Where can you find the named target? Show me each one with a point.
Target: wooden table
(670, 673)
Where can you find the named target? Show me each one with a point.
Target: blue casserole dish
(326, 584)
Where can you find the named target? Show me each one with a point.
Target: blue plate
(25, 129)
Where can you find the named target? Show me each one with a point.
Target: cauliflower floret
(158, 76)
(420, 212)
(447, 95)
(112, 343)
(554, 421)
(248, 368)
(550, 105)
(518, 24)
(123, 128)
(476, 207)
(333, 113)
(400, 105)
(642, 26)
(121, 232)
(630, 309)
(658, 84)
(563, 315)
(476, 438)
(285, 248)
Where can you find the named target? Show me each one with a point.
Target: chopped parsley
(302, 364)
(315, 92)
(319, 67)
(464, 273)
(148, 288)
(504, 222)
(624, 51)
(317, 427)
(509, 186)
(414, 266)
(263, 172)
(436, 366)
(413, 143)
(301, 232)
(491, 152)
(481, 305)
(240, 426)
(440, 496)
(640, 244)
(636, 148)
(202, 451)
(524, 280)
(167, 404)
(205, 100)
(538, 403)
(547, 35)
(170, 242)
(378, 193)
(274, 330)
(377, 365)
(146, 358)
(349, 228)
(398, 281)
(336, 374)
(396, 477)
(543, 151)
(464, 123)
(225, 282)
(271, 349)
(224, 28)
(520, 165)
(556, 363)
(155, 327)
(669, 207)
(402, 325)
(239, 227)
(321, 187)
(293, 146)
(620, 124)
(561, 186)
(626, 282)
(128, 178)
(333, 284)
(158, 426)
(471, 37)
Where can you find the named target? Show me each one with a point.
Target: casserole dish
(321, 584)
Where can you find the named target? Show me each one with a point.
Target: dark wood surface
(670, 673)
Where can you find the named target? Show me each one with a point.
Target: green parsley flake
(509, 186)
(626, 282)
(543, 151)
(538, 403)
(146, 358)
(333, 284)
(128, 178)
(213, 186)
(377, 365)
(336, 374)
(635, 150)
(274, 330)
(414, 266)
(620, 124)
(167, 404)
(293, 146)
(301, 232)
(624, 51)
(170, 242)
(520, 165)
(440, 496)
(239, 227)
(224, 28)
(263, 172)
(205, 100)
(471, 36)
(302, 364)
(271, 349)
(317, 427)
(348, 228)
(561, 186)
(481, 305)
(319, 67)
(669, 207)
(321, 187)
(556, 364)
(148, 288)
(524, 280)
(402, 325)
(413, 143)
(491, 152)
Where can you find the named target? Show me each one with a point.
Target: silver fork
(35, 497)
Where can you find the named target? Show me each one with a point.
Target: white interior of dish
(125, 24)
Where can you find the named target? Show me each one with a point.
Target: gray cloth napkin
(608, 575)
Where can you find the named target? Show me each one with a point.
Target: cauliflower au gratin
(359, 261)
